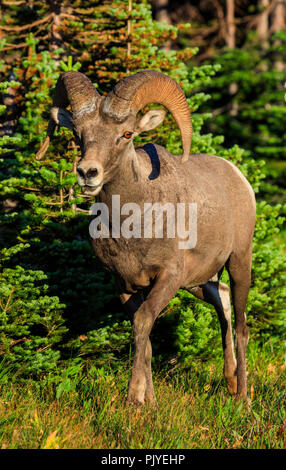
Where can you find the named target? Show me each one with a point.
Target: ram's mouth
(91, 190)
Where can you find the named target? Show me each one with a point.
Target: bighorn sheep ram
(149, 271)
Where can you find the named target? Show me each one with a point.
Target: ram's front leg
(131, 303)
(140, 383)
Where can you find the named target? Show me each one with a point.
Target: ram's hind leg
(217, 294)
(239, 269)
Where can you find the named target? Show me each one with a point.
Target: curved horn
(147, 86)
(76, 90)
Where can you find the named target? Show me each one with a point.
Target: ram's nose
(90, 178)
(87, 174)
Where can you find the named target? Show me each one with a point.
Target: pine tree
(260, 119)
(31, 322)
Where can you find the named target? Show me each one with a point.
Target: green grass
(83, 407)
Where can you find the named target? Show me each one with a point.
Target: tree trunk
(161, 13)
(262, 23)
(161, 10)
(55, 34)
(278, 23)
(230, 42)
(278, 20)
(230, 24)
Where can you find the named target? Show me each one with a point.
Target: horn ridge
(74, 89)
(149, 86)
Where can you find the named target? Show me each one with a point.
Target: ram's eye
(127, 135)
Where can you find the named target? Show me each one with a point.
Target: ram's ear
(62, 117)
(150, 120)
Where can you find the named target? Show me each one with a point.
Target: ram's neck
(129, 181)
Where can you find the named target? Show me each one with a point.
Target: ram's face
(106, 143)
(103, 144)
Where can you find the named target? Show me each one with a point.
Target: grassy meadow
(83, 407)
